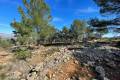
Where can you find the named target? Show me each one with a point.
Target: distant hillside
(8, 36)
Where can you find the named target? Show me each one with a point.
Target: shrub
(22, 54)
(1, 67)
(4, 43)
(2, 76)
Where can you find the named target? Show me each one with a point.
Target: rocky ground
(59, 63)
(104, 60)
(49, 63)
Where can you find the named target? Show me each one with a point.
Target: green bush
(2, 76)
(22, 54)
(4, 43)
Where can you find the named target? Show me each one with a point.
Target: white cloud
(57, 19)
(87, 10)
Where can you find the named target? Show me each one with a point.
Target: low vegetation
(5, 43)
(2, 76)
(22, 54)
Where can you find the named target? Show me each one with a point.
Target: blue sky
(62, 11)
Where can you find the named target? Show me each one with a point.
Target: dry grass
(41, 54)
(36, 59)
(51, 51)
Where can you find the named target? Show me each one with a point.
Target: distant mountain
(6, 36)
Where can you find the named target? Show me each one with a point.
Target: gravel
(104, 62)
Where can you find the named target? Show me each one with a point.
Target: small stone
(106, 60)
(76, 62)
(17, 73)
(46, 78)
(100, 71)
(68, 58)
(34, 73)
(84, 64)
(61, 71)
(106, 78)
(22, 79)
(53, 75)
(90, 63)
(65, 60)
(68, 79)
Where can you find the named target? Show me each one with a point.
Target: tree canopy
(107, 7)
(35, 18)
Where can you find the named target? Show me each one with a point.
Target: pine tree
(34, 24)
(107, 8)
(78, 29)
